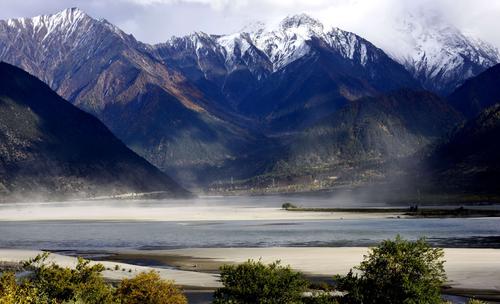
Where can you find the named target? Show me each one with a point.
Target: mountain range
(288, 77)
(210, 109)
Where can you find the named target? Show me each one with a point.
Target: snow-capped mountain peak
(71, 22)
(265, 49)
(66, 20)
(437, 53)
(258, 46)
(47, 41)
(253, 27)
(288, 42)
(69, 15)
(302, 21)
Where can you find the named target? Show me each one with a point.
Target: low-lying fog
(221, 222)
(196, 209)
(202, 208)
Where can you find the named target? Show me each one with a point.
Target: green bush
(288, 206)
(395, 272)
(474, 301)
(84, 283)
(149, 288)
(53, 284)
(256, 283)
(323, 298)
(8, 288)
(13, 293)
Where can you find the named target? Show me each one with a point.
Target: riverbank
(415, 212)
(466, 268)
(227, 209)
(471, 272)
(116, 270)
(165, 213)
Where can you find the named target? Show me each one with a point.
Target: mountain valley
(297, 105)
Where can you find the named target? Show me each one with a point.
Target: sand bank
(183, 278)
(48, 212)
(466, 268)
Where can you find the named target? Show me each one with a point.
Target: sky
(155, 21)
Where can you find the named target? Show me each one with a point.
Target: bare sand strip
(466, 268)
(183, 278)
(41, 212)
(471, 269)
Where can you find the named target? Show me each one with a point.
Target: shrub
(474, 301)
(321, 298)
(396, 272)
(50, 283)
(13, 293)
(8, 288)
(84, 283)
(149, 288)
(288, 206)
(253, 282)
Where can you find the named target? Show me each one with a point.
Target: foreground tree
(149, 288)
(13, 293)
(397, 271)
(256, 283)
(84, 284)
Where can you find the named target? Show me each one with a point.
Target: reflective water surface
(100, 235)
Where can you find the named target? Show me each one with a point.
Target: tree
(320, 298)
(13, 293)
(256, 283)
(395, 272)
(287, 206)
(84, 283)
(474, 301)
(149, 288)
(8, 288)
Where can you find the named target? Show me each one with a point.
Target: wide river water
(82, 235)
(109, 235)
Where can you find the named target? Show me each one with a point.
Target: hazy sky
(157, 20)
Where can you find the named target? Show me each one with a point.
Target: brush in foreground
(50, 283)
(397, 271)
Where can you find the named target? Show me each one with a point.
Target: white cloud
(157, 20)
(215, 4)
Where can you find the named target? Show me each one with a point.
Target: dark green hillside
(470, 160)
(50, 147)
(478, 93)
